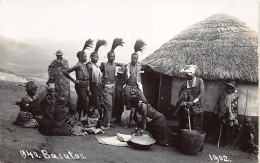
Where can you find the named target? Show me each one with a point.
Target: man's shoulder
(199, 79)
(53, 63)
(77, 64)
(64, 60)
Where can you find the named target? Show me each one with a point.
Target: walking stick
(220, 133)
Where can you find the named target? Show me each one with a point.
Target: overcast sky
(154, 21)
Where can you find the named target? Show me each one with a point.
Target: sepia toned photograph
(126, 81)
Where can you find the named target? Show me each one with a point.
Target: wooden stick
(159, 96)
(189, 122)
(219, 134)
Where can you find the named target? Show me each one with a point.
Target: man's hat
(232, 84)
(59, 52)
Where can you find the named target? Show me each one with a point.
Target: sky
(153, 21)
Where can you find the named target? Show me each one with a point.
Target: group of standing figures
(99, 88)
(105, 90)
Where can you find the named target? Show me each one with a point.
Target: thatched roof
(221, 46)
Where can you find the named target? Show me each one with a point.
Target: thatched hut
(223, 47)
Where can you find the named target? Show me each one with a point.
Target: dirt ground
(21, 144)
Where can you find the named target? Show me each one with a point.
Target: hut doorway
(157, 90)
(164, 99)
(150, 83)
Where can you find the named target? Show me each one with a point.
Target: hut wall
(212, 93)
(252, 100)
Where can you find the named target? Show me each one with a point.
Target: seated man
(147, 118)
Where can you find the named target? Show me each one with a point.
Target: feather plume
(139, 45)
(99, 44)
(88, 44)
(116, 42)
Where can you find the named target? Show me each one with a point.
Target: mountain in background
(31, 57)
(23, 59)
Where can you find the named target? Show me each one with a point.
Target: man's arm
(228, 100)
(201, 84)
(69, 70)
(89, 68)
(144, 115)
(119, 64)
(65, 64)
(127, 96)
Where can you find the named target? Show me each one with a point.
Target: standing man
(109, 79)
(82, 80)
(56, 76)
(227, 111)
(134, 67)
(95, 79)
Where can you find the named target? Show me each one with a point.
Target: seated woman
(29, 107)
(147, 118)
(54, 121)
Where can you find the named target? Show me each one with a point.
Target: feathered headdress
(116, 42)
(99, 44)
(139, 45)
(88, 44)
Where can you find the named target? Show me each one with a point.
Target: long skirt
(196, 120)
(57, 127)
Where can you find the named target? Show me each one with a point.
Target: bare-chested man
(81, 82)
(95, 79)
(109, 79)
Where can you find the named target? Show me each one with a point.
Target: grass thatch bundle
(221, 46)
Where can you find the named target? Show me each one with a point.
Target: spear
(219, 133)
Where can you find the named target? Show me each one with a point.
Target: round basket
(142, 142)
(191, 141)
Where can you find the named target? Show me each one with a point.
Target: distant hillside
(23, 59)
(6, 71)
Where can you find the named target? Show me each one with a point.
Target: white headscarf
(189, 69)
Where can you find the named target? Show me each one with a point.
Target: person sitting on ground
(147, 118)
(92, 120)
(54, 121)
(246, 138)
(29, 107)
